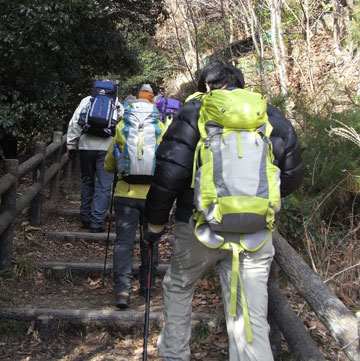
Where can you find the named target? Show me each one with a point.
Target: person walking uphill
(90, 131)
(137, 137)
(234, 149)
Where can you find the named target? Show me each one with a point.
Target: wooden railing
(340, 322)
(32, 197)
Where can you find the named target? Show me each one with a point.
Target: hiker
(159, 94)
(93, 143)
(166, 106)
(134, 170)
(191, 256)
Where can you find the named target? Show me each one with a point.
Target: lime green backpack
(236, 185)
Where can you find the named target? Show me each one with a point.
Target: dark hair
(218, 74)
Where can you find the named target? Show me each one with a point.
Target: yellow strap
(235, 276)
(270, 217)
(196, 155)
(140, 144)
(240, 152)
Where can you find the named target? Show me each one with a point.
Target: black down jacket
(175, 155)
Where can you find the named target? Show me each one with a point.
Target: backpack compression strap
(235, 276)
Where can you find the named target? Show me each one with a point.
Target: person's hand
(152, 233)
(71, 153)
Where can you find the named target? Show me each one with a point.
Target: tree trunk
(305, 9)
(196, 35)
(259, 45)
(275, 30)
(181, 47)
(227, 37)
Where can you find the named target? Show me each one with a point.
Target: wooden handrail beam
(340, 322)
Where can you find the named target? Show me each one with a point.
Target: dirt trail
(32, 288)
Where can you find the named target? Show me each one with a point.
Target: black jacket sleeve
(174, 166)
(286, 150)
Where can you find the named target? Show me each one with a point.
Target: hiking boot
(143, 291)
(97, 230)
(122, 300)
(85, 224)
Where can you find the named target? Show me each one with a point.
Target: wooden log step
(92, 267)
(87, 236)
(87, 316)
(74, 197)
(76, 213)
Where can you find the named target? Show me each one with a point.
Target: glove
(152, 237)
(71, 153)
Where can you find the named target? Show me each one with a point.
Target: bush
(329, 196)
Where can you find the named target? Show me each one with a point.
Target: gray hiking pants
(190, 260)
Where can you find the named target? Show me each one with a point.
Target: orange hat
(143, 94)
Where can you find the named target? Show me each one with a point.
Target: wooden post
(38, 176)
(55, 181)
(44, 324)
(67, 173)
(67, 167)
(8, 203)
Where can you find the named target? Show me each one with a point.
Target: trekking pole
(108, 233)
(148, 294)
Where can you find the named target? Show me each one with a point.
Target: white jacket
(77, 140)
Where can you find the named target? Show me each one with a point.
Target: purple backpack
(168, 107)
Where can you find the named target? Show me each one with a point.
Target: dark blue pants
(95, 188)
(128, 213)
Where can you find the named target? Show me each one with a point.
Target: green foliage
(279, 101)
(332, 169)
(200, 332)
(5, 298)
(354, 32)
(13, 329)
(289, 218)
(211, 36)
(7, 273)
(24, 267)
(154, 68)
(52, 51)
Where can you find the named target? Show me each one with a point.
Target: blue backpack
(97, 117)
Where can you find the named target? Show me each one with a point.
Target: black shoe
(122, 300)
(97, 230)
(143, 291)
(85, 225)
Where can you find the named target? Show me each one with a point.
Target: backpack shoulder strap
(197, 95)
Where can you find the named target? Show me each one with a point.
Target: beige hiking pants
(190, 260)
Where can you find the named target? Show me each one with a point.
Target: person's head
(220, 74)
(146, 92)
